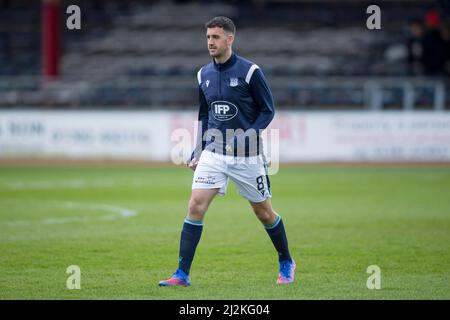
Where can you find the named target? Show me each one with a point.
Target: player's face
(219, 41)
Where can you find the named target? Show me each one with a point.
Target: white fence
(153, 136)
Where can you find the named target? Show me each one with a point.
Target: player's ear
(230, 38)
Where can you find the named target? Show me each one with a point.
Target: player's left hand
(193, 164)
(228, 148)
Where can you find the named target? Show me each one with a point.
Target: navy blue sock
(278, 236)
(190, 236)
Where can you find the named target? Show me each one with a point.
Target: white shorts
(249, 174)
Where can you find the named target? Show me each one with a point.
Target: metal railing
(308, 93)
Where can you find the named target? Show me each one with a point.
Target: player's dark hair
(222, 22)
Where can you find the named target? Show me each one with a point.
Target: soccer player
(235, 105)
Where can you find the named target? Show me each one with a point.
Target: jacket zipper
(220, 85)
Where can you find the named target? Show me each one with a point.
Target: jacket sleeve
(202, 125)
(263, 98)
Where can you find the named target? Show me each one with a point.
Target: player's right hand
(193, 164)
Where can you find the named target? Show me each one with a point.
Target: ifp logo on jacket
(223, 110)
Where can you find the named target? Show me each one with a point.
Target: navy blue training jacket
(234, 96)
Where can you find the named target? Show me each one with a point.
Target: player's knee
(266, 219)
(265, 215)
(197, 207)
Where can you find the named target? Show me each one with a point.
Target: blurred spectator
(433, 45)
(414, 44)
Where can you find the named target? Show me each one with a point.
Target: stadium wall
(168, 136)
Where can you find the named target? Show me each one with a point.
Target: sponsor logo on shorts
(206, 180)
(223, 110)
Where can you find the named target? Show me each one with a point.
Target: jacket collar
(227, 64)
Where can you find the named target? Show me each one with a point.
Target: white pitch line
(69, 184)
(119, 213)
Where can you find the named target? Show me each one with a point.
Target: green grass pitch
(121, 226)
